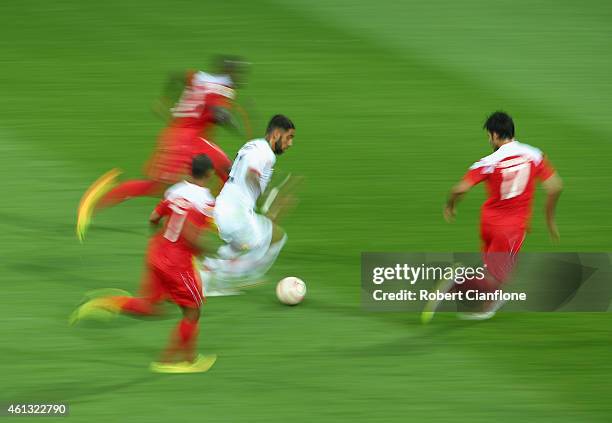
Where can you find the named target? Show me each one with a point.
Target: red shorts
(171, 161)
(182, 286)
(220, 161)
(501, 239)
(500, 245)
(175, 151)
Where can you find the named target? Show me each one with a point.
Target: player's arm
(220, 102)
(201, 238)
(222, 116)
(280, 199)
(258, 172)
(553, 186)
(252, 178)
(155, 218)
(221, 106)
(157, 214)
(191, 233)
(477, 173)
(175, 84)
(454, 196)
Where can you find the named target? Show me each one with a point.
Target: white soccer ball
(291, 290)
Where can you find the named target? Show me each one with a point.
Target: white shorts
(242, 228)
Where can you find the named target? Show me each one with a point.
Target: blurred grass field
(388, 99)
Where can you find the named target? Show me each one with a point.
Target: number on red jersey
(510, 173)
(202, 90)
(190, 104)
(179, 209)
(514, 180)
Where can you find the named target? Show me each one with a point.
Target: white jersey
(257, 157)
(199, 197)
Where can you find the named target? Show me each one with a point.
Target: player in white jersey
(253, 241)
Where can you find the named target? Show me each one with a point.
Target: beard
(278, 147)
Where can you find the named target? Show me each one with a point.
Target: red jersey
(510, 173)
(183, 202)
(202, 92)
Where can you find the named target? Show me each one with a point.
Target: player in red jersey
(205, 103)
(510, 173)
(186, 213)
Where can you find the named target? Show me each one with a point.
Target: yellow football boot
(91, 197)
(101, 309)
(200, 365)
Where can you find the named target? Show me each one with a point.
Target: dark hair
(501, 124)
(200, 166)
(227, 63)
(280, 122)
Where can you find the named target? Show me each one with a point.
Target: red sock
(138, 306)
(183, 340)
(129, 189)
(188, 333)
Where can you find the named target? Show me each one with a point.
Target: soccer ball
(291, 290)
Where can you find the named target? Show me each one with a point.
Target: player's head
(201, 168)
(280, 133)
(500, 128)
(234, 66)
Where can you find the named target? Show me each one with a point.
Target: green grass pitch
(388, 98)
